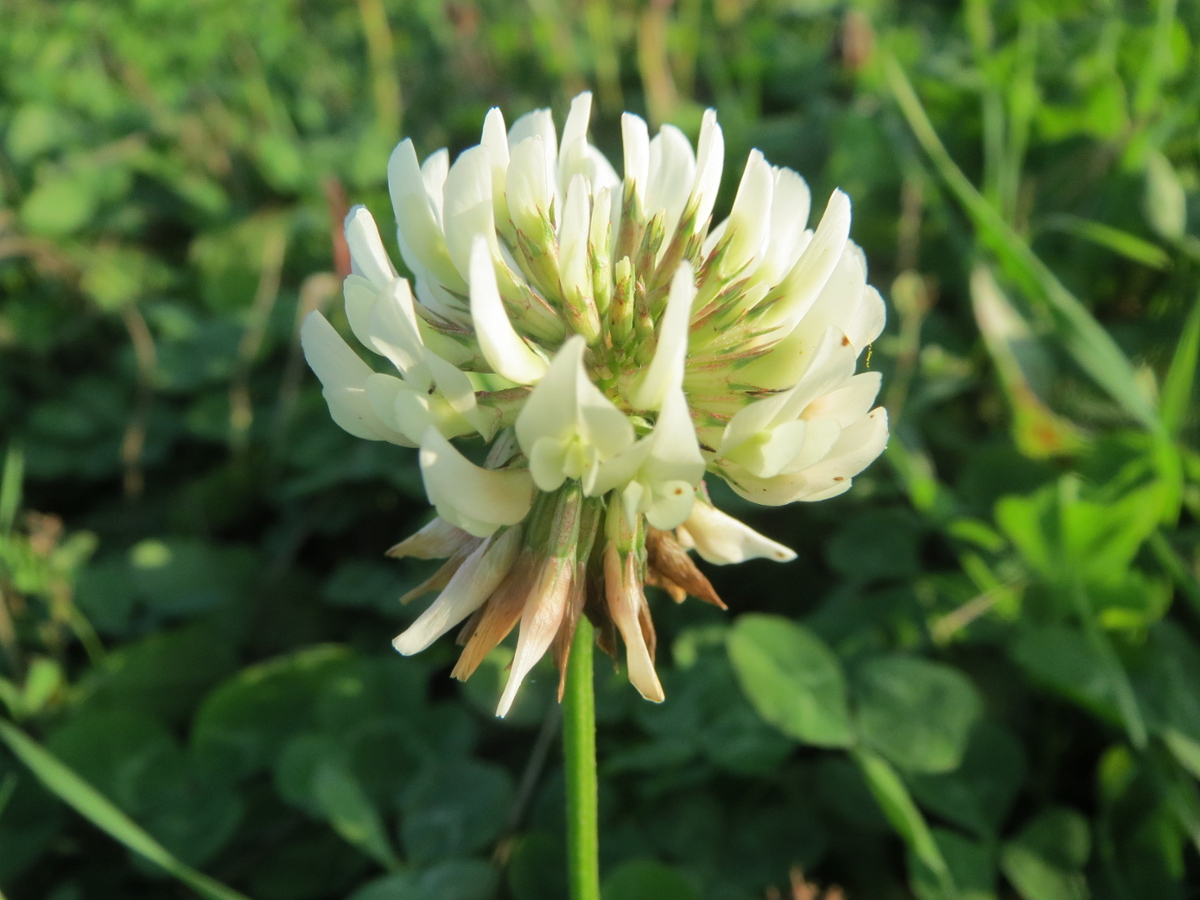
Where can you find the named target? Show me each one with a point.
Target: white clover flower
(612, 348)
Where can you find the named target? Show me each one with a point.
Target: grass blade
(1083, 337)
(1121, 242)
(64, 783)
(1177, 388)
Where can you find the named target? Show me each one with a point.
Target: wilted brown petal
(437, 540)
(442, 576)
(670, 562)
(500, 615)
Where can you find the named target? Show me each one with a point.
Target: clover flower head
(610, 346)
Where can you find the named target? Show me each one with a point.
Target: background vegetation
(981, 679)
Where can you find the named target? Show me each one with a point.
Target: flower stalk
(579, 757)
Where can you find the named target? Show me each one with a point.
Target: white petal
(469, 201)
(856, 448)
(344, 377)
(576, 127)
(849, 403)
(496, 141)
(671, 504)
(421, 240)
(789, 215)
(393, 327)
(636, 140)
(676, 450)
(835, 305)
(361, 296)
(367, 254)
(505, 350)
(456, 388)
(710, 160)
(750, 219)
(807, 277)
(433, 173)
(721, 539)
(574, 273)
(476, 579)
(477, 500)
(529, 189)
(565, 405)
(672, 174)
(665, 372)
(539, 123)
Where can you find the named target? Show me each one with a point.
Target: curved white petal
(855, 449)
(468, 212)
(807, 277)
(564, 409)
(539, 124)
(476, 500)
(721, 539)
(529, 189)
(433, 173)
(344, 377)
(367, 254)
(495, 139)
(468, 589)
(361, 296)
(710, 161)
(393, 330)
(505, 350)
(672, 174)
(574, 273)
(848, 403)
(665, 372)
(418, 231)
(789, 215)
(635, 138)
(749, 223)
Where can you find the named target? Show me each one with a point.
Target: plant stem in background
(579, 752)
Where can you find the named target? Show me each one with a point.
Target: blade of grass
(101, 812)
(1177, 388)
(1083, 337)
(897, 804)
(10, 487)
(1121, 242)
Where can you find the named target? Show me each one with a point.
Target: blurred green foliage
(981, 679)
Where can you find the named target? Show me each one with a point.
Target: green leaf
(351, 814)
(454, 808)
(893, 798)
(244, 723)
(1045, 861)
(979, 793)
(915, 712)
(58, 206)
(102, 813)
(1165, 202)
(454, 879)
(972, 870)
(647, 880)
(1175, 402)
(792, 679)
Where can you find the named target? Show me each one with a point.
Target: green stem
(579, 752)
